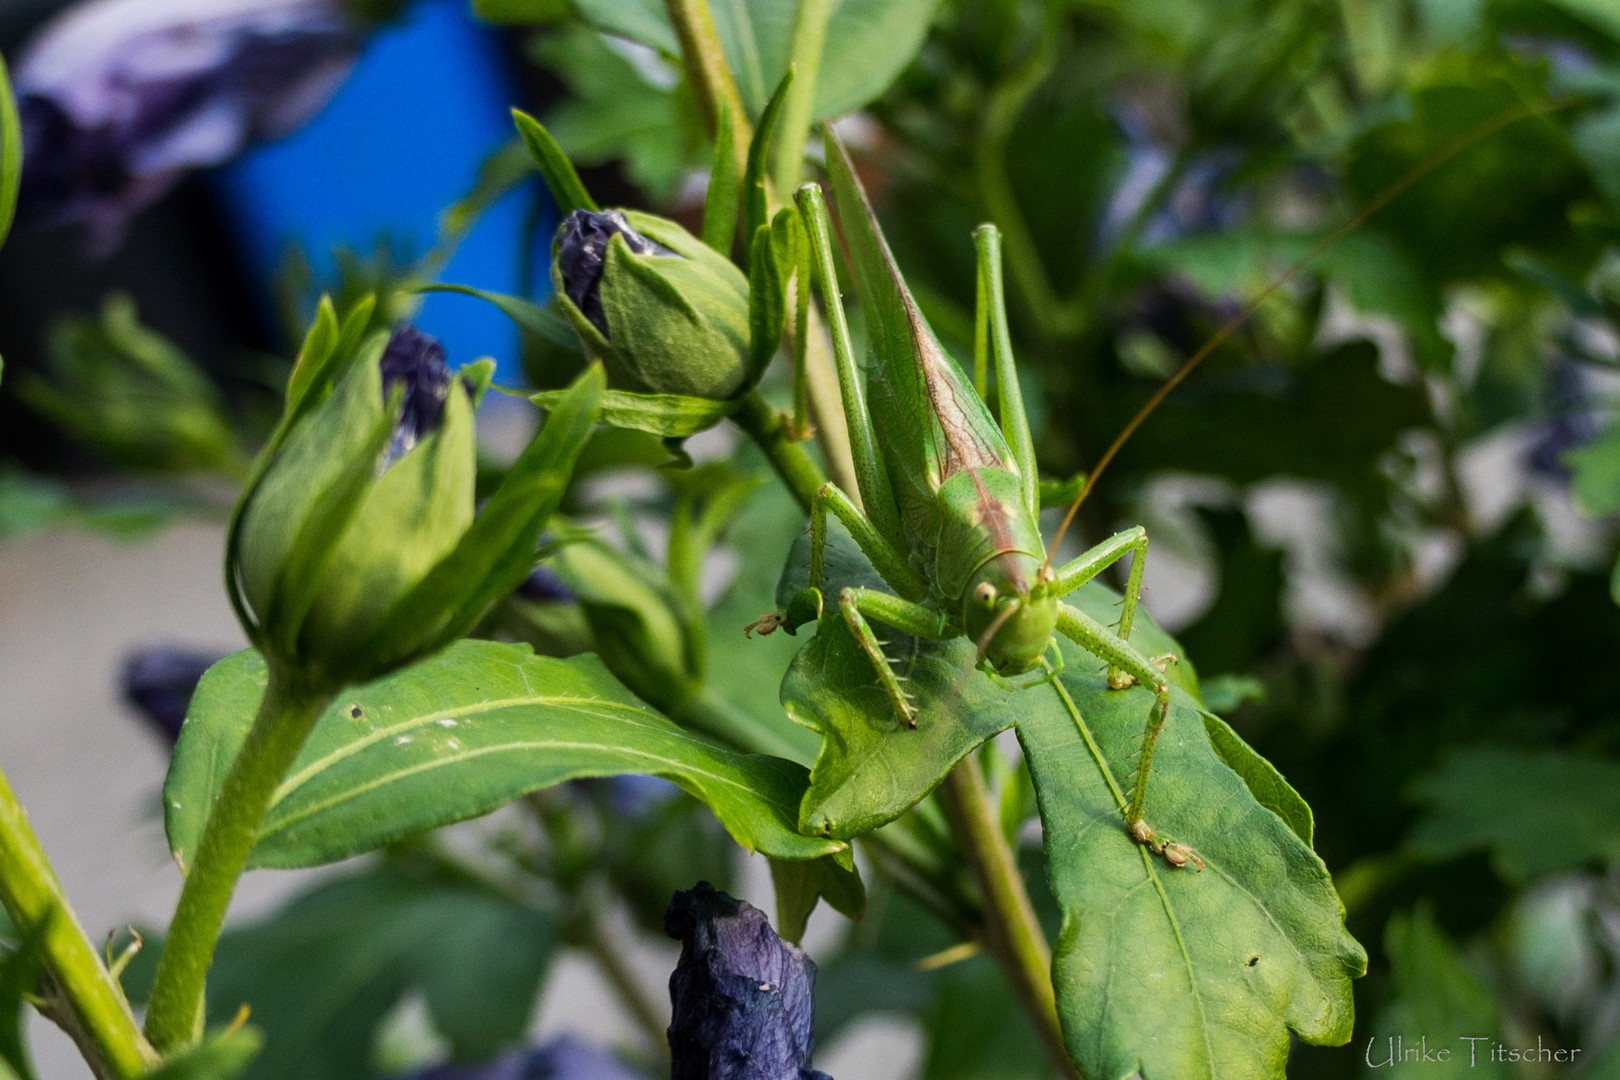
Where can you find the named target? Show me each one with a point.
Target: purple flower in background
(1571, 423)
(543, 586)
(741, 995)
(415, 361)
(159, 681)
(564, 1058)
(120, 98)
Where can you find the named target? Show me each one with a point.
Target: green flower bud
(366, 493)
(636, 624)
(662, 311)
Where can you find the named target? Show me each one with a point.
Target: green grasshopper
(951, 499)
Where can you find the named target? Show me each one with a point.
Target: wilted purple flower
(543, 586)
(415, 361)
(581, 249)
(120, 98)
(159, 681)
(1195, 202)
(563, 1058)
(1178, 314)
(1571, 422)
(741, 995)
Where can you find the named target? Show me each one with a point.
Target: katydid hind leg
(1118, 654)
(890, 564)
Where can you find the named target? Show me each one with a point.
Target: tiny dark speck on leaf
(1253, 960)
(355, 712)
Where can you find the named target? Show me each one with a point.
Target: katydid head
(1010, 611)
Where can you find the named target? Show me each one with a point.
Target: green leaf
(670, 416)
(222, 1055)
(1435, 999)
(566, 187)
(11, 153)
(541, 320)
(756, 206)
(1261, 777)
(801, 883)
(1595, 469)
(1535, 811)
(872, 44)
(455, 737)
(725, 187)
(1175, 973)
(321, 974)
(19, 977)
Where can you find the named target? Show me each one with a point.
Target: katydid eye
(985, 593)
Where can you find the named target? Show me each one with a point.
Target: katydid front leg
(905, 616)
(1102, 642)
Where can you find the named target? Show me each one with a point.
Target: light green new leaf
(1178, 974)
(541, 320)
(457, 736)
(11, 153)
(1536, 812)
(222, 1055)
(567, 190)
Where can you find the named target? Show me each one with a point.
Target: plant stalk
(1012, 933)
(769, 429)
(793, 128)
(101, 1022)
(709, 74)
(174, 1015)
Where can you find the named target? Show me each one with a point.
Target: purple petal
(563, 1058)
(741, 995)
(415, 361)
(159, 682)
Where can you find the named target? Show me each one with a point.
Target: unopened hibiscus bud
(121, 98)
(741, 996)
(159, 682)
(662, 311)
(355, 549)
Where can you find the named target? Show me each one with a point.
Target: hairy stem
(99, 1020)
(769, 429)
(175, 1014)
(708, 73)
(809, 35)
(1012, 933)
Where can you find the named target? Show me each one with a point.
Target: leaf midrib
(321, 764)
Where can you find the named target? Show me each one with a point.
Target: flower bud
(637, 627)
(354, 549)
(662, 311)
(741, 996)
(366, 493)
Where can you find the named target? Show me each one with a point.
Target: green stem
(644, 1009)
(793, 128)
(1012, 932)
(709, 74)
(769, 429)
(175, 1013)
(101, 1021)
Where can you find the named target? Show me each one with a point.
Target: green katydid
(951, 501)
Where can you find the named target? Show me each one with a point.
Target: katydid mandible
(951, 502)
